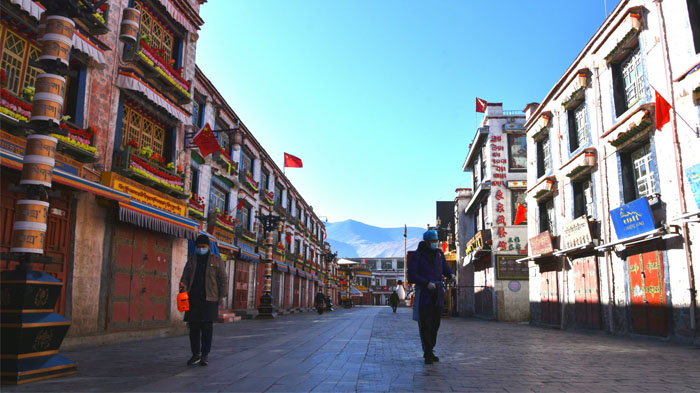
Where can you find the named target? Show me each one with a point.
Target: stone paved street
(370, 349)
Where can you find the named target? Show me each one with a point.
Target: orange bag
(183, 302)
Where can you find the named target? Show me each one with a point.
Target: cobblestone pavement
(371, 349)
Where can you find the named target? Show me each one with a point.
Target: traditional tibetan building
(612, 179)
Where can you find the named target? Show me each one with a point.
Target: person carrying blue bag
(426, 268)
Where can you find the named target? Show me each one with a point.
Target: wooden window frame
(128, 120)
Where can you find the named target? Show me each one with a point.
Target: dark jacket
(216, 280)
(394, 298)
(428, 265)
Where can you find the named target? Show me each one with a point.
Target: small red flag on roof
(662, 110)
(480, 105)
(291, 161)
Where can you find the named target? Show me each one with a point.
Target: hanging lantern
(237, 141)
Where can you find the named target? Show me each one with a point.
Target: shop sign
(576, 233)
(475, 243)
(693, 176)
(143, 194)
(223, 235)
(16, 145)
(632, 219)
(507, 268)
(541, 244)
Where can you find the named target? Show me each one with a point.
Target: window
(298, 212)
(289, 204)
(198, 109)
(243, 216)
(194, 180)
(517, 196)
(583, 198)
(475, 176)
(517, 152)
(638, 175)
(246, 163)
(160, 36)
(387, 265)
(484, 213)
(16, 55)
(628, 81)
(546, 210)
(694, 15)
(578, 127)
(140, 128)
(305, 252)
(482, 165)
(544, 164)
(264, 180)
(399, 265)
(221, 137)
(279, 190)
(297, 249)
(219, 199)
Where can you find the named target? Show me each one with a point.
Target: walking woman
(206, 282)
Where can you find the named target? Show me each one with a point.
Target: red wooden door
(297, 284)
(587, 307)
(140, 278)
(287, 287)
(549, 295)
(648, 294)
(59, 232)
(240, 288)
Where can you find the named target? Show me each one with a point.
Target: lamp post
(329, 258)
(269, 224)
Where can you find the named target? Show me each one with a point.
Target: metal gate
(586, 293)
(549, 297)
(647, 294)
(240, 287)
(59, 232)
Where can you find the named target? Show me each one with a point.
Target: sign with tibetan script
(632, 219)
(693, 176)
(223, 235)
(541, 244)
(576, 233)
(143, 194)
(507, 268)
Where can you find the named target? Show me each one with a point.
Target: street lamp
(329, 257)
(269, 224)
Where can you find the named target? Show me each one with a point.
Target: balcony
(228, 166)
(156, 68)
(77, 143)
(89, 18)
(247, 180)
(149, 169)
(195, 207)
(545, 188)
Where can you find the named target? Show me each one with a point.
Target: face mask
(434, 246)
(202, 251)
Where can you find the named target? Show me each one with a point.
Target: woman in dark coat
(394, 300)
(205, 280)
(426, 268)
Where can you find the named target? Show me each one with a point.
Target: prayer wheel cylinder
(47, 106)
(51, 84)
(28, 237)
(32, 211)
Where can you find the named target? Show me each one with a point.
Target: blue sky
(377, 97)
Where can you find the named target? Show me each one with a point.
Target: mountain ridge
(355, 239)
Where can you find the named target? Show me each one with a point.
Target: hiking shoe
(195, 359)
(435, 358)
(204, 360)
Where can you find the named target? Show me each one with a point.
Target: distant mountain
(354, 239)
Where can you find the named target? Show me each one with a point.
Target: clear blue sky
(377, 96)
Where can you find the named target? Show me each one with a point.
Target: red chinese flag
(240, 204)
(480, 105)
(663, 111)
(288, 238)
(444, 246)
(520, 214)
(206, 141)
(292, 162)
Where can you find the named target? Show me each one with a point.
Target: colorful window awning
(130, 81)
(150, 217)
(178, 16)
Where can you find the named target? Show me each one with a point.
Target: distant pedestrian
(426, 268)
(394, 300)
(205, 280)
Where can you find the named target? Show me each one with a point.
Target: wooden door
(59, 232)
(287, 288)
(587, 306)
(549, 297)
(140, 278)
(240, 287)
(649, 311)
(297, 284)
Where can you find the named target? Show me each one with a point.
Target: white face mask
(202, 251)
(434, 246)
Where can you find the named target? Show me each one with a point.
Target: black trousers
(200, 337)
(393, 306)
(428, 325)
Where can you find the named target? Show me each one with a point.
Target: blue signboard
(632, 219)
(693, 176)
